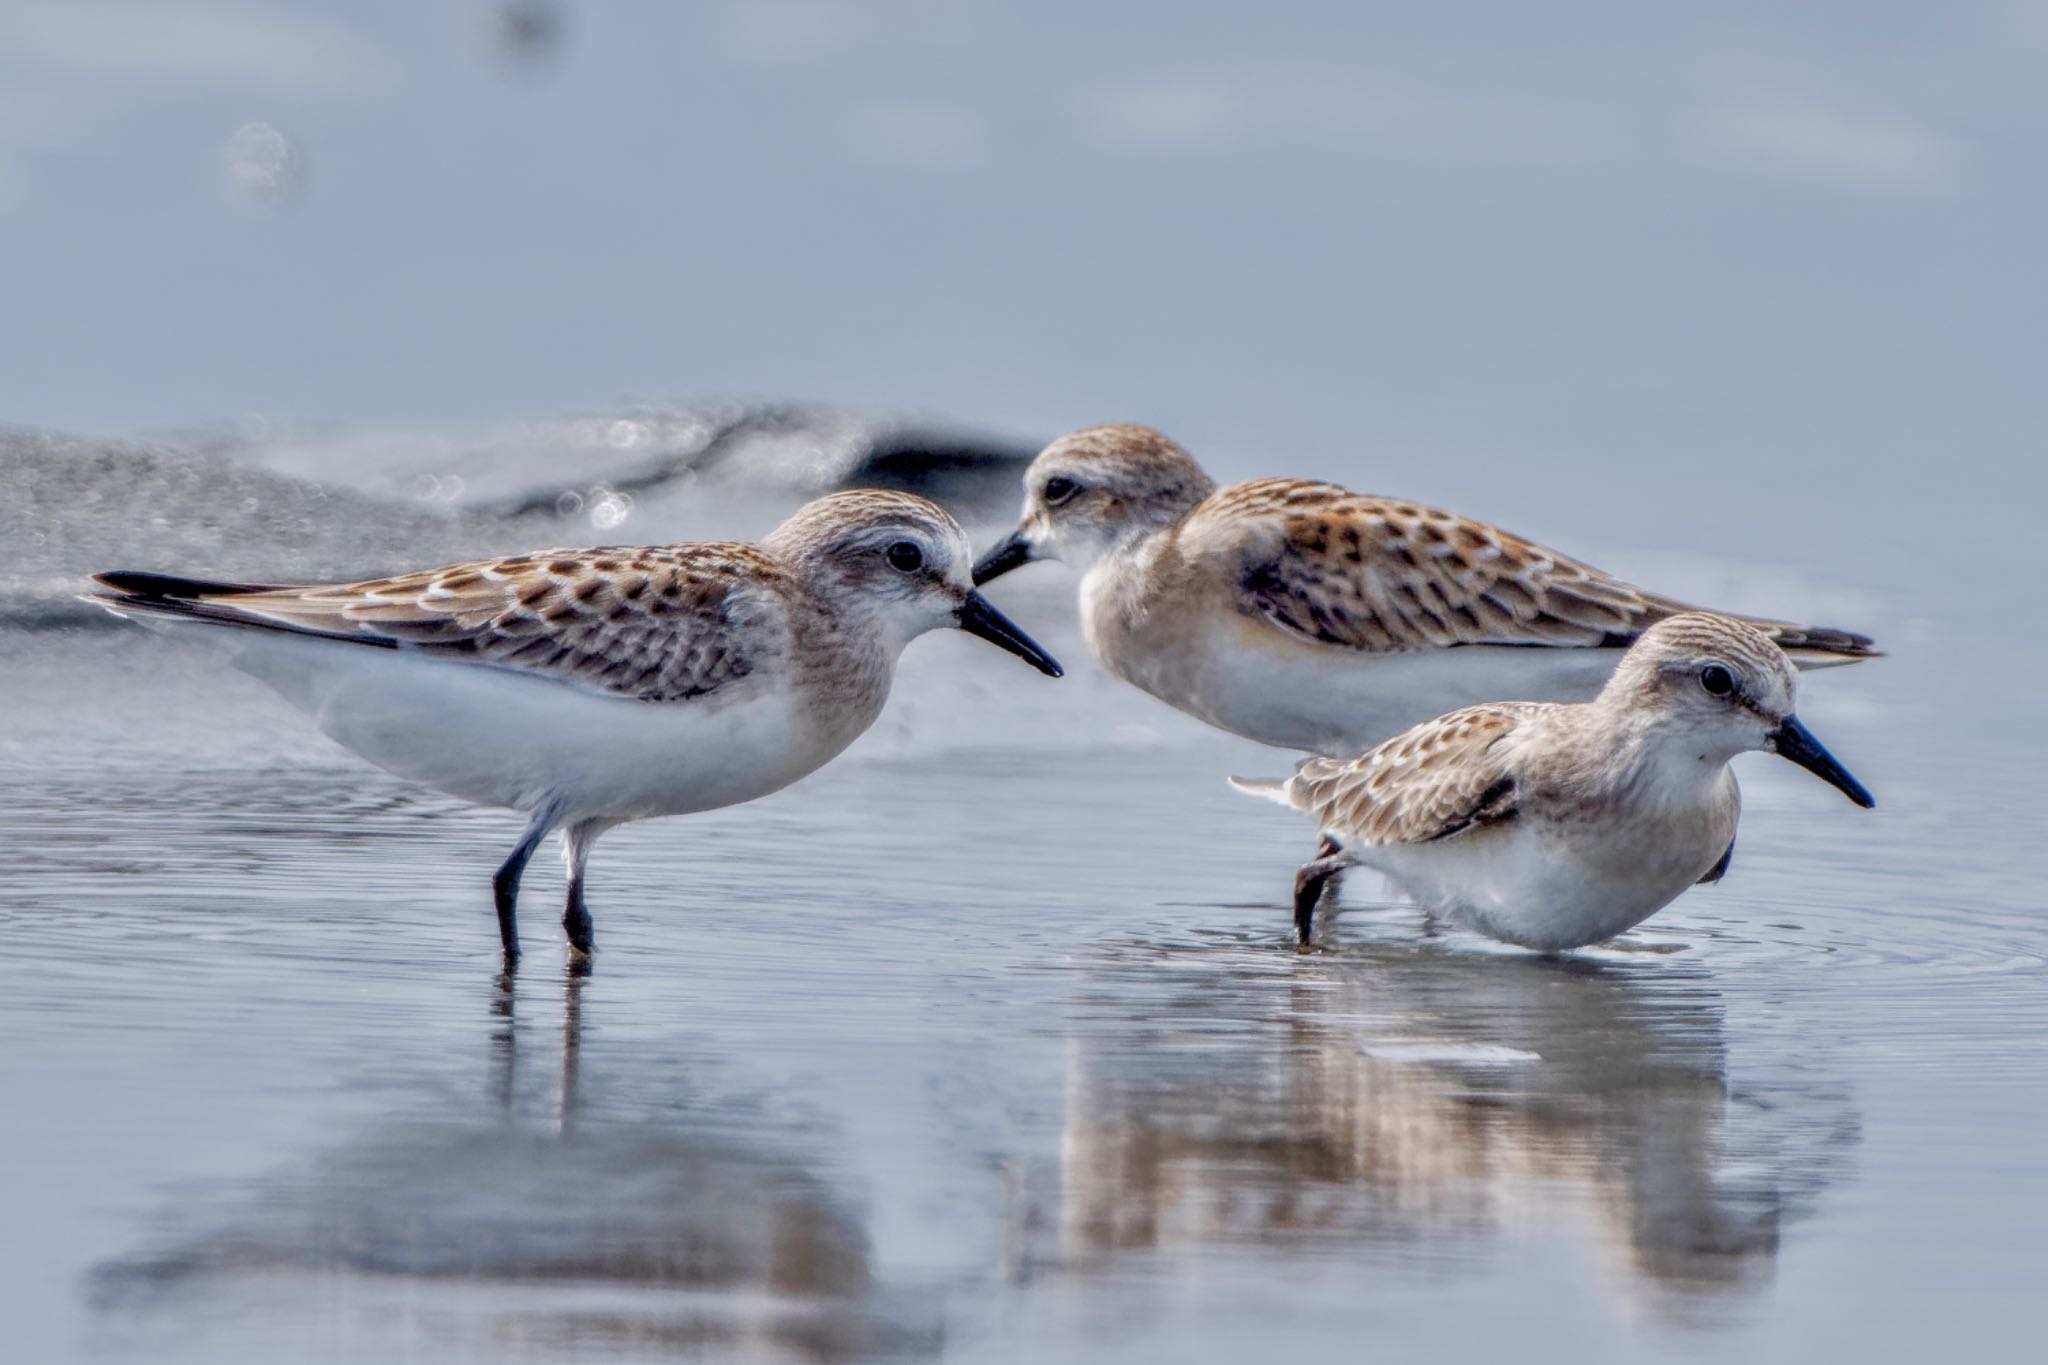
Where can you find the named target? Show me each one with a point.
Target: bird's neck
(850, 655)
(1084, 554)
(1652, 762)
(1118, 588)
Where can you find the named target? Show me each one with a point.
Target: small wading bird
(1554, 826)
(1310, 617)
(592, 687)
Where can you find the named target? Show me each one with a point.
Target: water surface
(989, 1043)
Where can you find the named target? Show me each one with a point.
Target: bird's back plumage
(1433, 782)
(656, 623)
(1380, 575)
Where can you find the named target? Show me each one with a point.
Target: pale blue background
(1742, 257)
(1742, 300)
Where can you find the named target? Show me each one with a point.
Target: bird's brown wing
(1436, 781)
(1382, 576)
(663, 623)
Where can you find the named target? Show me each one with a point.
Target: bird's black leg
(1720, 869)
(1327, 848)
(576, 915)
(505, 884)
(1310, 882)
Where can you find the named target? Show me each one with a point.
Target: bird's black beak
(977, 617)
(1794, 741)
(1014, 552)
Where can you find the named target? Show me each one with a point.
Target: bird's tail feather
(144, 586)
(127, 592)
(1274, 791)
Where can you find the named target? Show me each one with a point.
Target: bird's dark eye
(906, 555)
(1717, 680)
(1059, 489)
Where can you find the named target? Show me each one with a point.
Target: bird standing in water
(1554, 826)
(1307, 616)
(591, 687)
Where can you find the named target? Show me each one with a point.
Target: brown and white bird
(592, 687)
(1304, 615)
(1553, 826)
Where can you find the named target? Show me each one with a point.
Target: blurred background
(1719, 261)
(989, 1041)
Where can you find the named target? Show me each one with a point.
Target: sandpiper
(1553, 826)
(595, 686)
(1304, 615)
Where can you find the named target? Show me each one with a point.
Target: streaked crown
(1697, 660)
(843, 524)
(1094, 488)
(877, 547)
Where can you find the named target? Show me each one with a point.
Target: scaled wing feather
(654, 624)
(1384, 576)
(1435, 781)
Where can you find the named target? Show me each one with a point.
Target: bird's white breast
(1554, 883)
(1243, 674)
(501, 738)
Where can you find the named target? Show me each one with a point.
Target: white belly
(504, 739)
(1548, 888)
(1246, 677)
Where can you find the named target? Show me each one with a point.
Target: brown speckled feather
(1383, 576)
(1432, 782)
(660, 623)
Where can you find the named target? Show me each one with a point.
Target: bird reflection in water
(1410, 1106)
(598, 1201)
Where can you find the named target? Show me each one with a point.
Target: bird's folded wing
(656, 624)
(1383, 576)
(1440, 779)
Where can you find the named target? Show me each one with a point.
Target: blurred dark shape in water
(276, 502)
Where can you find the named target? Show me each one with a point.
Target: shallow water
(989, 1043)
